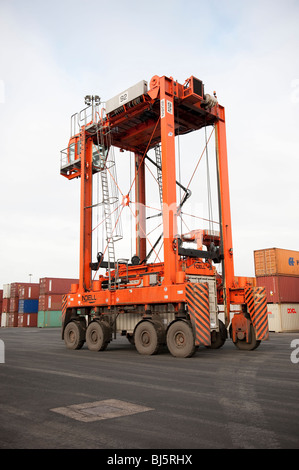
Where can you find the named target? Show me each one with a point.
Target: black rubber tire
(97, 336)
(74, 335)
(130, 338)
(219, 337)
(146, 338)
(180, 339)
(254, 343)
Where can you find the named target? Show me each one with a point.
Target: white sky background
(54, 53)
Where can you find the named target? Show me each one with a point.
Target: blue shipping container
(28, 306)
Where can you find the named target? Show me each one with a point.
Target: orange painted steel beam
(140, 206)
(168, 179)
(225, 211)
(85, 213)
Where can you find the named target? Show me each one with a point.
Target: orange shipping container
(276, 261)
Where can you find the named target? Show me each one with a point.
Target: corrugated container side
(6, 291)
(276, 261)
(56, 285)
(14, 305)
(28, 306)
(31, 291)
(280, 289)
(283, 317)
(50, 302)
(12, 319)
(49, 319)
(27, 320)
(14, 289)
(5, 305)
(4, 319)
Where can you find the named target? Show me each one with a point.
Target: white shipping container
(4, 320)
(6, 291)
(283, 317)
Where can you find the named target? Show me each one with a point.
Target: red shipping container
(50, 302)
(280, 289)
(14, 288)
(27, 320)
(5, 305)
(30, 291)
(1, 295)
(12, 319)
(14, 305)
(52, 285)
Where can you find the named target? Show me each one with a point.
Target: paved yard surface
(54, 398)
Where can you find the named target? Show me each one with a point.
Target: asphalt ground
(218, 399)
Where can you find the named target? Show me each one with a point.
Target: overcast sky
(54, 53)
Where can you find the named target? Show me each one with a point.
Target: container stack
(5, 305)
(277, 270)
(14, 304)
(15, 289)
(1, 303)
(50, 300)
(28, 305)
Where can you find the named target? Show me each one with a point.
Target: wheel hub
(145, 338)
(94, 336)
(180, 339)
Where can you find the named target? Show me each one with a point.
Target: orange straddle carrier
(184, 297)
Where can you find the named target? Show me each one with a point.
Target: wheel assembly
(74, 335)
(218, 338)
(146, 338)
(180, 339)
(130, 338)
(97, 336)
(244, 345)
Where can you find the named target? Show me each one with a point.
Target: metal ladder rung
(159, 171)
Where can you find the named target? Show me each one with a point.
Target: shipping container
(276, 261)
(28, 306)
(280, 289)
(6, 291)
(28, 320)
(14, 289)
(1, 295)
(50, 302)
(242, 281)
(49, 319)
(14, 305)
(51, 285)
(283, 317)
(12, 319)
(4, 319)
(31, 291)
(6, 305)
